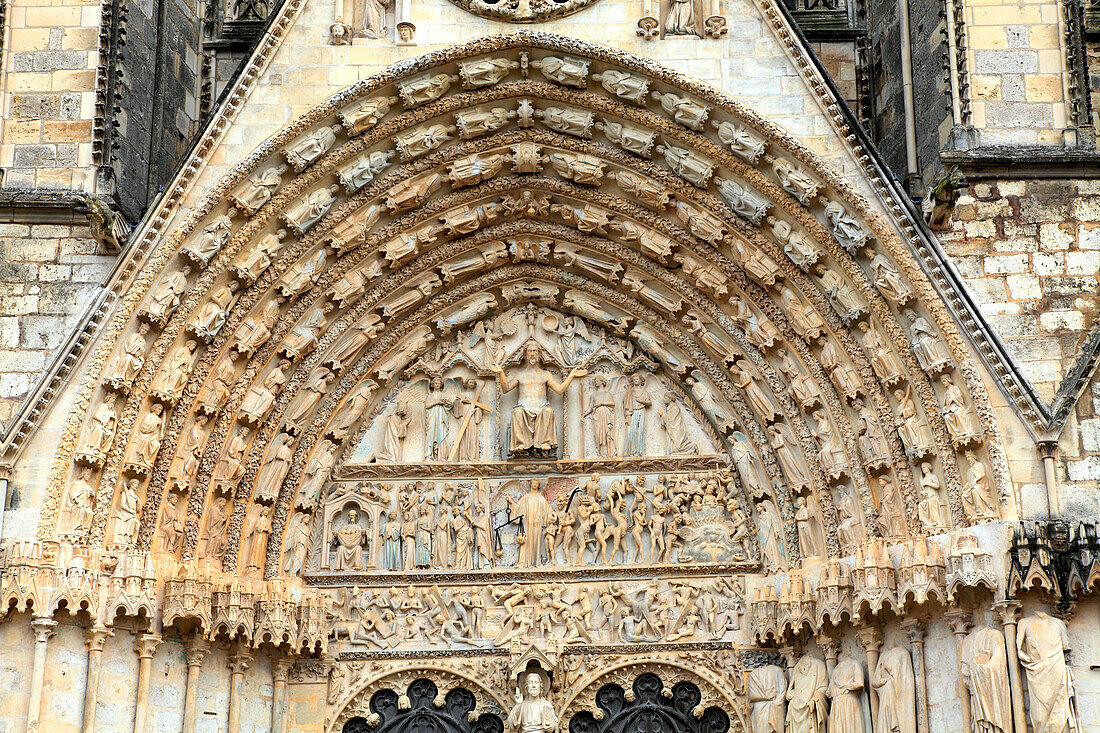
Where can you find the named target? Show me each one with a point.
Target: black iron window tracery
(650, 711)
(422, 716)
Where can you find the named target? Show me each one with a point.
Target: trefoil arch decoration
(422, 708)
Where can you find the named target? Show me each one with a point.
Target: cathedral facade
(457, 366)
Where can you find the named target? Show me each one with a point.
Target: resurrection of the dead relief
(584, 385)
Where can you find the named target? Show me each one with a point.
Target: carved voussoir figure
(127, 365)
(795, 181)
(258, 189)
(363, 168)
(202, 248)
(741, 142)
(146, 442)
(170, 380)
(564, 70)
(355, 118)
(302, 274)
(687, 112)
(631, 87)
(688, 164)
(165, 297)
(308, 210)
(248, 267)
(309, 147)
(476, 122)
(423, 140)
(485, 72)
(210, 316)
(425, 89)
(567, 120)
(887, 279)
(848, 232)
(637, 140)
(743, 200)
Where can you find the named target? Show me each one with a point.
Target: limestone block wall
(1029, 252)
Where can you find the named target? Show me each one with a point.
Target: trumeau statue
(533, 712)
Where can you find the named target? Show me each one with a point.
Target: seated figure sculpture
(534, 431)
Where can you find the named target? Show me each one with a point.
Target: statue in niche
(849, 526)
(98, 433)
(315, 475)
(931, 352)
(894, 682)
(230, 467)
(127, 365)
(128, 514)
(469, 413)
(166, 296)
(977, 498)
(534, 511)
(313, 391)
(256, 329)
(810, 541)
(601, 413)
(146, 442)
(680, 20)
(171, 525)
(960, 424)
(930, 508)
(422, 539)
(257, 528)
(269, 479)
(849, 234)
(914, 432)
(842, 296)
(172, 377)
(841, 372)
(395, 427)
(211, 315)
(887, 278)
(248, 267)
(436, 407)
(846, 693)
(672, 417)
(297, 543)
(806, 701)
(259, 188)
(354, 407)
(770, 528)
(801, 387)
(534, 424)
(833, 458)
(389, 531)
(872, 442)
(202, 248)
(532, 712)
(804, 319)
(1042, 643)
(891, 509)
(783, 441)
(984, 670)
(760, 401)
(767, 693)
(260, 398)
(311, 146)
(350, 543)
(217, 525)
(885, 364)
(81, 502)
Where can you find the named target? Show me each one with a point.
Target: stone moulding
(523, 11)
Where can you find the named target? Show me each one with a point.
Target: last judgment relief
(532, 388)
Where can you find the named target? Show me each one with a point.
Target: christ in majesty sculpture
(534, 425)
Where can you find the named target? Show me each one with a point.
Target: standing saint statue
(635, 402)
(601, 411)
(532, 713)
(436, 406)
(534, 425)
(469, 413)
(535, 511)
(1041, 642)
(680, 20)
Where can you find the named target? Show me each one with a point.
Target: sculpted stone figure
(81, 502)
(425, 89)
(931, 352)
(230, 467)
(303, 339)
(98, 433)
(436, 407)
(806, 701)
(785, 444)
(365, 114)
(146, 442)
(566, 71)
(311, 394)
(354, 407)
(171, 524)
(215, 392)
(887, 279)
(795, 181)
(533, 712)
(983, 666)
(884, 362)
(810, 541)
(423, 140)
(801, 386)
(269, 479)
(308, 210)
(260, 398)
(210, 316)
(741, 142)
(846, 693)
(601, 415)
(302, 274)
(743, 200)
(485, 72)
(680, 20)
(202, 248)
(217, 523)
(165, 297)
(672, 418)
(848, 232)
(297, 542)
(631, 87)
(803, 251)
(394, 428)
(536, 514)
(170, 380)
(894, 682)
(257, 529)
(475, 122)
(915, 434)
(891, 509)
(804, 318)
(259, 188)
(687, 112)
(842, 296)
(841, 372)
(638, 140)
(960, 422)
(474, 169)
(128, 514)
(469, 413)
(358, 335)
(635, 403)
(362, 170)
(534, 425)
(316, 474)
(127, 365)
(930, 508)
(767, 693)
(311, 146)
(1042, 643)
(688, 164)
(850, 527)
(349, 542)
(757, 396)
(977, 498)
(255, 330)
(567, 120)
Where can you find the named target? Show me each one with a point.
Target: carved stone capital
(44, 629)
(96, 637)
(196, 650)
(959, 621)
(239, 661)
(870, 638)
(146, 644)
(914, 630)
(1008, 612)
(280, 668)
(830, 647)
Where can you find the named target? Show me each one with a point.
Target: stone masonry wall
(1030, 252)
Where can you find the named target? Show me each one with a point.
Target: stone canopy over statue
(534, 425)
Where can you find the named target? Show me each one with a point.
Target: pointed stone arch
(740, 222)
